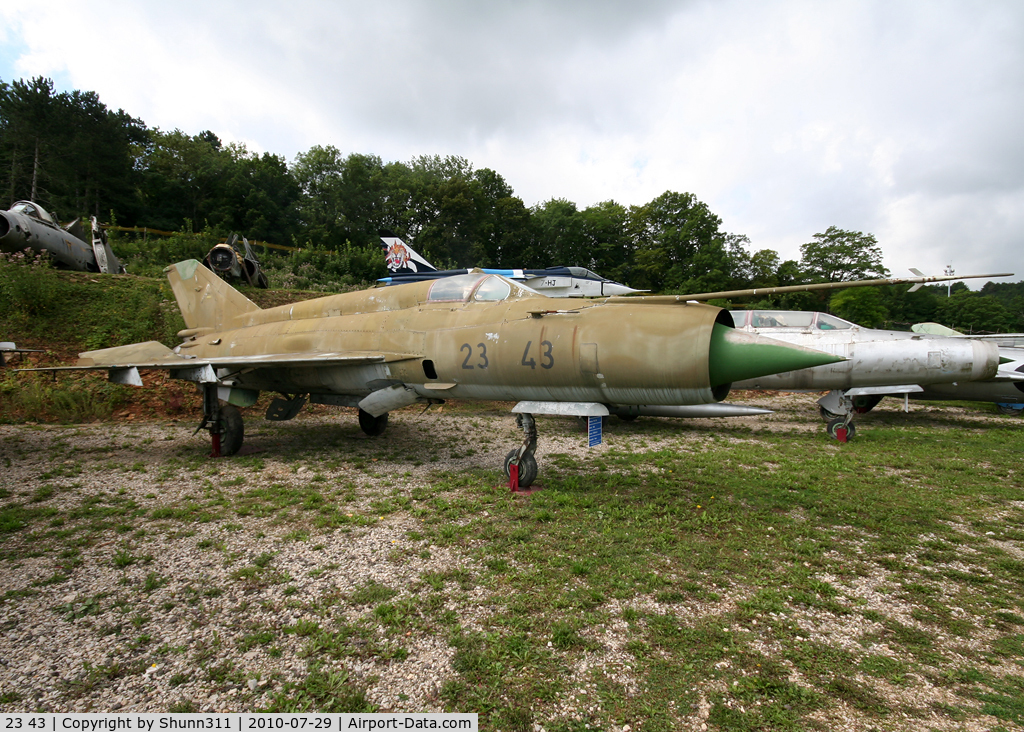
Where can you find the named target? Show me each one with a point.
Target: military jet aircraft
(234, 261)
(406, 265)
(1007, 394)
(471, 336)
(28, 225)
(878, 363)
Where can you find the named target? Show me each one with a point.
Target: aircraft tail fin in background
(205, 300)
(402, 258)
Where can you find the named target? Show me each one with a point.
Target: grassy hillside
(64, 313)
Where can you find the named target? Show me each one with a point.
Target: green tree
(606, 240)
(317, 174)
(840, 256)
(182, 178)
(679, 245)
(560, 235)
(257, 197)
(862, 305)
(972, 312)
(66, 150)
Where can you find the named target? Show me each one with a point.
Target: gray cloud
(898, 118)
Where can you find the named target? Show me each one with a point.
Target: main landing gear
(227, 430)
(521, 464)
(224, 422)
(837, 409)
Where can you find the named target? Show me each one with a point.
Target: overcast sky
(900, 119)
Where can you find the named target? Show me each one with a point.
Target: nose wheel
(837, 409)
(841, 429)
(521, 464)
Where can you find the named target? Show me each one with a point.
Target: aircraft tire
(1012, 411)
(834, 425)
(232, 430)
(864, 404)
(527, 468)
(628, 417)
(373, 426)
(827, 415)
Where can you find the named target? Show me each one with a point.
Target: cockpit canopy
(476, 287)
(28, 208)
(796, 319)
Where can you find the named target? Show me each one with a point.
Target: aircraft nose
(734, 355)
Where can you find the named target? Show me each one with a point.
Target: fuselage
(476, 336)
(28, 226)
(449, 338)
(874, 357)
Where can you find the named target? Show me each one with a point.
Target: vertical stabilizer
(205, 300)
(402, 258)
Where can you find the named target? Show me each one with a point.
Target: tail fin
(205, 300)
(402, 258)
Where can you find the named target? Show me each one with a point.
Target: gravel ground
(168, 617)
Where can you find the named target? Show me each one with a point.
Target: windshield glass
(781, 319)
(493, 289)
(739, 317)
(31, 209)
(454, 289)
(831, 322)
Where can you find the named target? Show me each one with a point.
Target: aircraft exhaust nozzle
(985, 364)
(734, 355)
(5, 225)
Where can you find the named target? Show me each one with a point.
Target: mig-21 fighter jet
(880, 363)
(471, 336)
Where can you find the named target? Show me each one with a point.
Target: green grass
(770, 579)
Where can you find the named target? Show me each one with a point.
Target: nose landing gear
(521, 464)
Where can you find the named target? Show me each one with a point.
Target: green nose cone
(734, 356)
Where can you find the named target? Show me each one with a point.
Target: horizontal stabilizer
(135, 354)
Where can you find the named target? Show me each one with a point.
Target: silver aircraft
(28, 225)
(1006, 394)
(878, 363)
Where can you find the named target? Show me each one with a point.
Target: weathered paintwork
(28, 225)
(474, 336)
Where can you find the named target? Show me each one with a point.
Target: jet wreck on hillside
(28, 225)
(232, 260)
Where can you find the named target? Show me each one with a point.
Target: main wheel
(827, 415)
(232, 430)
(527, 468)
(864, 404)
(373, 426)
(1007, 409)
(834, 427)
